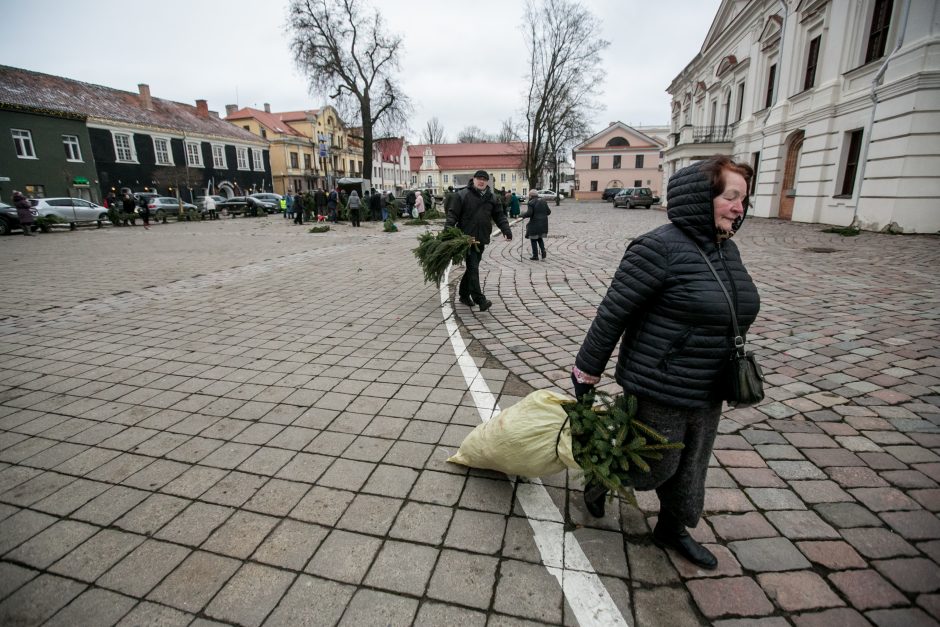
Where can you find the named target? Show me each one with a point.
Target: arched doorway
(788, 189)
(225, 189)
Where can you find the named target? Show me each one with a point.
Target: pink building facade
(618, 156)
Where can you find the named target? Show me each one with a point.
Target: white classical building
(391, 169)
(835, 103)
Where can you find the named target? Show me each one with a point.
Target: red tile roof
(471, 156)
(272, 121)
(34, 90)
(391, 148)
(297, 116)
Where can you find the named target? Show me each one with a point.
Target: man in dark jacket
(375, 205)
(128, 205)
(473, 210)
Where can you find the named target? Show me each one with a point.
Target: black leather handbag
(744, 378)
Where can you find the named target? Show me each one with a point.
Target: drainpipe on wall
(875, 83)
(770, 109)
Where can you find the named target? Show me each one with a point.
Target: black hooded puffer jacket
(668, 308)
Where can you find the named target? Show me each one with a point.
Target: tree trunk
(366, 106)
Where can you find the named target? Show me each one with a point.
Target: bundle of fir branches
(436, 252)
(609, 444)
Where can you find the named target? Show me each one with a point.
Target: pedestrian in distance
(144, 212)
(353, 206)
(24, 212)
(331, 204)
(298, 208)
(375, 204)
(514, 208)
(473, 211)
(211, 212)
(383, 204)
(410, 200)
(128, 204)
(286, 204)
(418, 211)
(537, 214)
(674, 323)
(319, 198)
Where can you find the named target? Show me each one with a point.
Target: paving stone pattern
(240, 422)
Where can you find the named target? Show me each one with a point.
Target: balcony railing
(712, 134)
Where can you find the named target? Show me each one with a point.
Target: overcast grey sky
(464, 62)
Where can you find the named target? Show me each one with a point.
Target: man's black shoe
(685, 545)
(466, 301)
(533, 258)
(594, 498)
(485, 305)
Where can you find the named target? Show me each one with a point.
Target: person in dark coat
(332, 203)
(24, 212)
(514, 206)
(410, 200)
(298, 207)
(144, 210)
(537, 228)
(319, 198)
(473, 211)
(673, 321)
(128, 204)
(375, 204)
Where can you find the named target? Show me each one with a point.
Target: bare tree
(509, 131)
(433, 132)
(564, 70)
(346, 51)
(472, 134)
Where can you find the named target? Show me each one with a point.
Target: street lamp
(559, 155)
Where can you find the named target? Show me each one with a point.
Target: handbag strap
(739, 340)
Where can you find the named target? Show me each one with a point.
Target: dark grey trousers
(679, 477)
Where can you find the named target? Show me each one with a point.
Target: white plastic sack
(521, 439)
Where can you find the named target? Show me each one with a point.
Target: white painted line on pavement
(561, 553)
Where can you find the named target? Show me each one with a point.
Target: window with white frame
(242, 155)
(502, 177)
(513, 177)
(73, 151)
(161, 149)
(447, 178)
(414, 179)
(193, 154)
(23, 140)
(124, 147)
(878, 30)
(257, 158)
(218, 156)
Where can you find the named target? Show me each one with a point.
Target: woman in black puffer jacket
(675, 326)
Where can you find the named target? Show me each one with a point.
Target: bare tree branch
(472, 134)
(345, 50)
(564, 71)
(433, 132)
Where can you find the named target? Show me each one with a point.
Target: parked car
(148, 196)
(631, 197)
(9, 219)
(239, 204)
(72, 211)
(609, 193)
(269, 202)
(548, 193)
(162, 206)
(201, 201)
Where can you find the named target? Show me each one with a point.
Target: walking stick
(522, 241)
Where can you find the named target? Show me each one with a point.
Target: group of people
(671, 312)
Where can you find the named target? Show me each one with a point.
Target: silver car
(72, 211)
(162, 206)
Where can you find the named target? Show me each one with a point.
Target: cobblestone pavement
(241, 422)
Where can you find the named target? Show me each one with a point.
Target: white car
(72, 211)
(548, 193)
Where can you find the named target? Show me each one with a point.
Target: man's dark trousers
(470, 281)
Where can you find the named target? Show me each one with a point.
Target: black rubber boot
(594, 499)
(673, 534)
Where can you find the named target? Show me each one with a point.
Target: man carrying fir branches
(473, 210)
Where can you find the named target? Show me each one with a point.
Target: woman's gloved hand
(581, 389)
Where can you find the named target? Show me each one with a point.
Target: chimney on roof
(267, 107)
(230, 109)
(145, 99)
(202, 108)
(213, 114)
